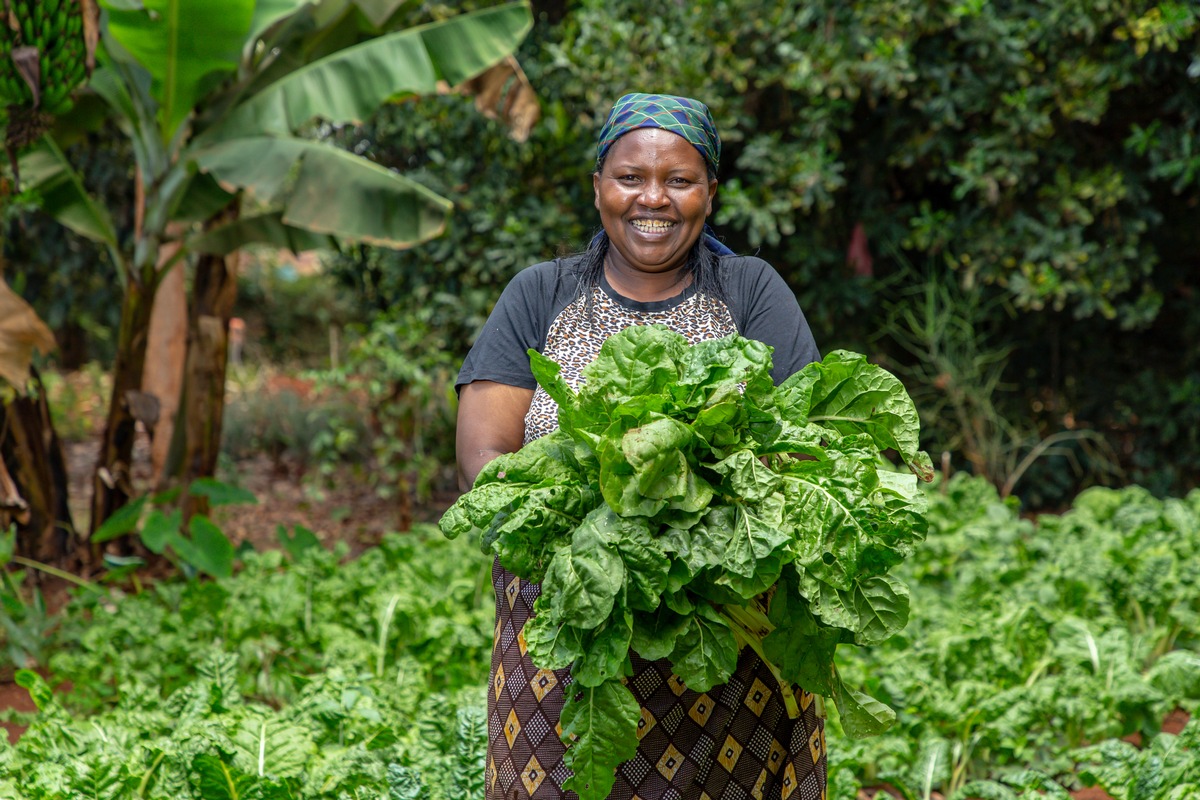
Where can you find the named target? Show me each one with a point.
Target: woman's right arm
(491, 422)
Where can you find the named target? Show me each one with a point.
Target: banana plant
(221, 101)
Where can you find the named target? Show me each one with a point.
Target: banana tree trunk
(111, 481)
(34, 482)
(197, 441)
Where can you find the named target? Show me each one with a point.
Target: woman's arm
(491, 422)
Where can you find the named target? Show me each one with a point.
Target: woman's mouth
(653, 225)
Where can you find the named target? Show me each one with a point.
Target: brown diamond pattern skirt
(733, 742)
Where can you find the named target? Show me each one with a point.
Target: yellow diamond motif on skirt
(670, 762)
(511, 591)
(757, 791)
(775, 757)
(756, 698)
(645, 723)
(512, 726)
(521, 643)
(496, 633)
(816, 743)
(806, 700)
(491, 774)
(542, 683)
(677, 685)
(701, 710)
(728, 755)
(498, 681)
(789, 782)
(533, 775)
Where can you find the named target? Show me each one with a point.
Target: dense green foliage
(314, 679)
(1032, 647)
(1040, 157)
(1030, 640)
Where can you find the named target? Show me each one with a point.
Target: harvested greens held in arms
(686, 508)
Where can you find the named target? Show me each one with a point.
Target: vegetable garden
(1042, 655)
(995, 203)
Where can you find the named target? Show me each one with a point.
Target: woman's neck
(646, 287)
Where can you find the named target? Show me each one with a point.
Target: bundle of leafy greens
(687, 507)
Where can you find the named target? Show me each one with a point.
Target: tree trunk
(166, 349)
(34, 483)
(111, 481)
(197, 442)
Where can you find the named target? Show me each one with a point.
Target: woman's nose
(654, 194)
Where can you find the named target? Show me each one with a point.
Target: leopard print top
(575, 337)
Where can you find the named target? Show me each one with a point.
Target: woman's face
(653, 195)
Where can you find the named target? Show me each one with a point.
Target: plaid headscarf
(688, 118)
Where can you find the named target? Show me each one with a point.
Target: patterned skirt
(732, 742)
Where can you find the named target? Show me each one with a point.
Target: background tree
(219, 126)
(1035, 158)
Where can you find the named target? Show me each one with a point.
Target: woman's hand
(491, 422)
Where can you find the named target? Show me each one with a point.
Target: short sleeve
(516, 324)
(765, 308)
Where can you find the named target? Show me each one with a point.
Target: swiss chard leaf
(599, 721)
(706, 652)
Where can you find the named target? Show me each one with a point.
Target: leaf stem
(750, 626)
(56, 572)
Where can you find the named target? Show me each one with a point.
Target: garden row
(1041, 655)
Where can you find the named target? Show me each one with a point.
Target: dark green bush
(1043, 152)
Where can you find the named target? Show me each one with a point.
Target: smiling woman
(654, 262)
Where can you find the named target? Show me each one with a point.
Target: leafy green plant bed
(1036, 653)
(307, 678)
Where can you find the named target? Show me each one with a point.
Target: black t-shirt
(759, 302)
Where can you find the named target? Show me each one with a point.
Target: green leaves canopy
(687, 502)
(198, 95)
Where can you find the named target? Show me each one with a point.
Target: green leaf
(39, 690)
(705, 654)
(350, 84)
(552, 646)
(861, 715)
(323, 190)
(158, 529)
(846, 395)
(655, 634)
(546, 373)
(599, 726)
(641, 360)
(60, 188)
(747, 478)
(607, 651)
(208, 550)
(8, 542)
(270, 12)
(583, 579)
(217, 780)
(185, 46)
(800, 647)
(301, 541)
(221, 494)
(272, 747)
(874, 609)
(124, 520)
(265, 229)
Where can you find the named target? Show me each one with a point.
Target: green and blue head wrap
(683, 116)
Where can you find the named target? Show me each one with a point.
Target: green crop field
(1041, 655)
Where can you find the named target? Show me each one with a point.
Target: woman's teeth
(652, 225)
